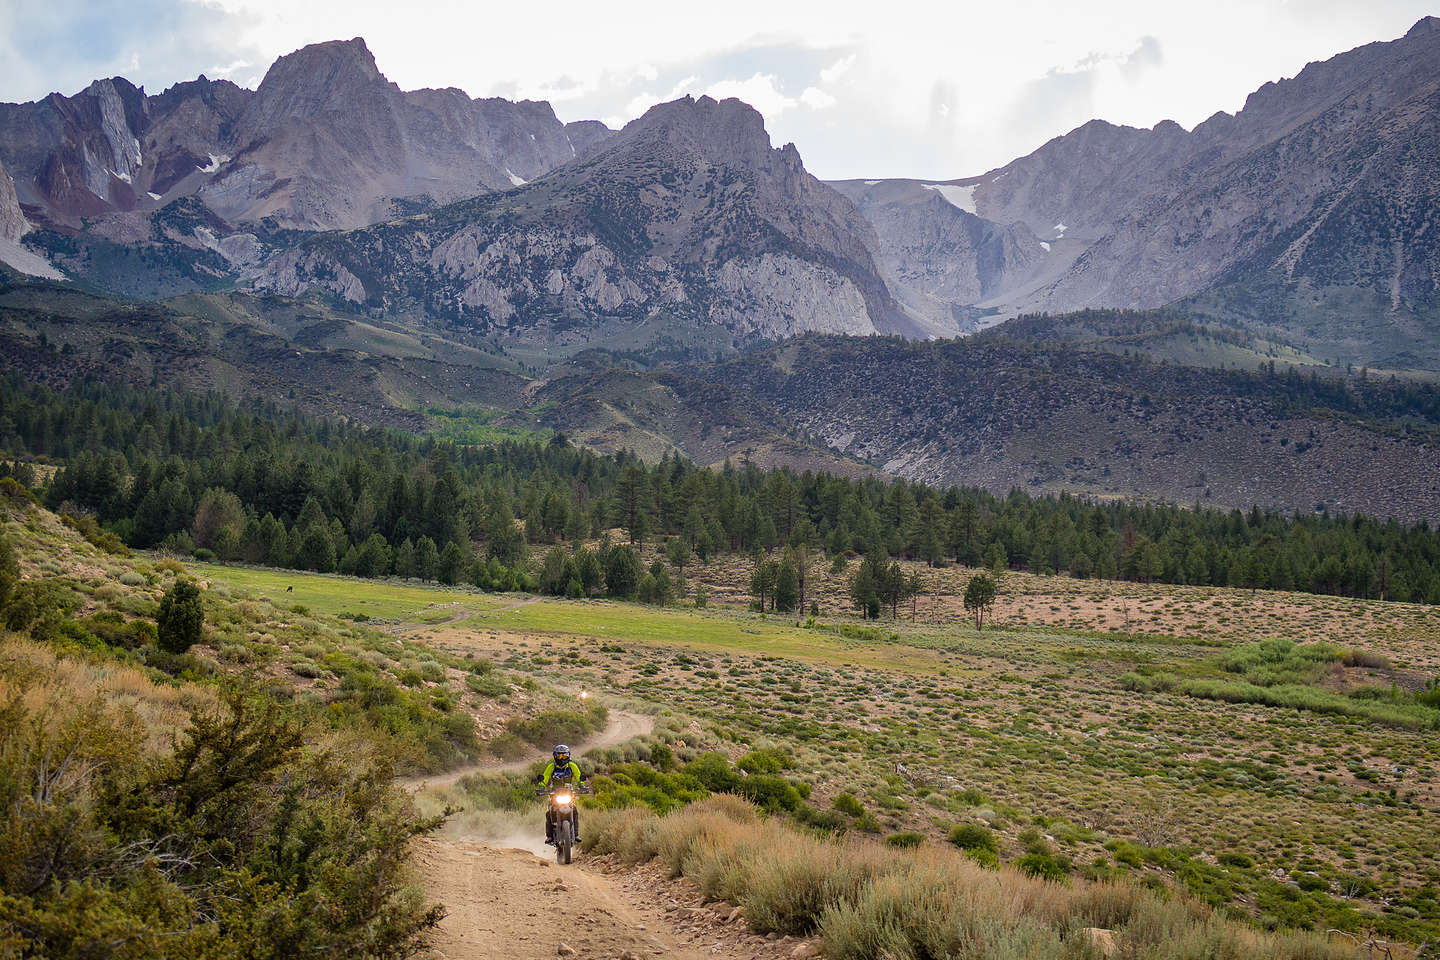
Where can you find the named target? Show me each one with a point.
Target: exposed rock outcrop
(13, 226)
(12, 221)
(688, 215)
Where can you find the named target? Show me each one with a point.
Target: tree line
(259, 483)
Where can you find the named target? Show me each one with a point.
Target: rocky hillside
(937, 256)
(325, 141)
(688, 219)
(1309, 210)
(13, 226)
(12, 221)
(1057, 413)
(1002, 414)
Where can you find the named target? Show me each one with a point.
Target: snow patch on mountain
(961, 197)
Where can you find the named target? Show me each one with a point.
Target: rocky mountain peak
(1424, 27)
(317, 78)
(720, 131)
(328, 63)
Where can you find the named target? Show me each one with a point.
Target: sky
(892, 89)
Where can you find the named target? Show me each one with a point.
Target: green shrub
(111, 628)
(764, 761)
(908, 840)
(558, 726)
(488, 685)
(973, 837)
(714, 771)
(849, 804)
(770, 793)
(633, 784)
(1044, 866)
(297, 852)
(1295, 697)
(180, 622)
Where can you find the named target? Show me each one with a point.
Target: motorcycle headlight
(563, 798)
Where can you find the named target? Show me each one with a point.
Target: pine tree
(451, 565)
(787, 590)
(553, 575)
(405, 565)
(762, 580)
(622, 572)
(427, 559)
(587, 565)
(980, 597)
(316, 550)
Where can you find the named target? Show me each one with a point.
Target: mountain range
(374, 253)
(1307, 215)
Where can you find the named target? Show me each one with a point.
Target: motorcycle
(562, 798)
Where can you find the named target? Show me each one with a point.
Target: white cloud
(217, 73)
(837, 69)
(817, 99)
(760, 91)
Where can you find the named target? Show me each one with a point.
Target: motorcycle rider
(564, 770)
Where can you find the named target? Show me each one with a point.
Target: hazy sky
(933, 90)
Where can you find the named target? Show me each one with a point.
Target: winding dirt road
(505, 902)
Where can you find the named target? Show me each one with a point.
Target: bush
(633, 784)
(848, 803)
(180, 623)
(764, 761)
(770, 793)
(869, 902)
(714, 771)
(112, 629)
(488, 685)
(558, 726)
(297, 853)
(1044, 866)
(972, 836)
(908, 840)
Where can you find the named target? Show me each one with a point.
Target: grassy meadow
(1266, 759)
(1271, 755)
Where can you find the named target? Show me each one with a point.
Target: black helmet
(561, 753)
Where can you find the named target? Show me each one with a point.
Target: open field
(1212, 741)
(345, 596)
(1094, 743)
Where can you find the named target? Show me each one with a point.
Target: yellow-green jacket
(550, 772)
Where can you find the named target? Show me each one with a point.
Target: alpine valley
(1245, 313)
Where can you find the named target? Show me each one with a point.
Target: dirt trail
(512, 904)
(622, 726)
(501, 901)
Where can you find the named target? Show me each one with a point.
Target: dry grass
(45, 682)
(867, 902)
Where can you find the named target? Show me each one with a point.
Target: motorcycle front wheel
(562, 841)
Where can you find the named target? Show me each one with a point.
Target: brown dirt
(510, 903)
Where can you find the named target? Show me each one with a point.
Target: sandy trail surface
(512, 904)
(501, 901)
